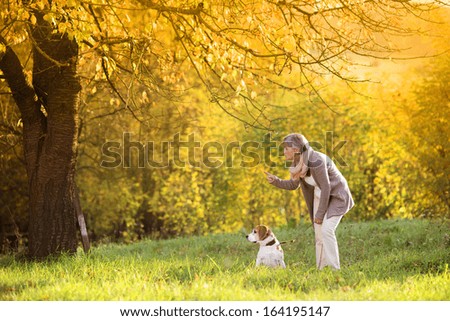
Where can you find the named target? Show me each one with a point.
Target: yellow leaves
(241, 87)
(114, 102)
(39, 4)
(65, 16)
(144, 97)
(50, 18)
(209, 58)
(33, 20)
(22, 15)
(235, 73)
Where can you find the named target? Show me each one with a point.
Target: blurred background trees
(234, 72)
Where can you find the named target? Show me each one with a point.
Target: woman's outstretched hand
(270, 177)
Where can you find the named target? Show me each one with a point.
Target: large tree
(240, 51)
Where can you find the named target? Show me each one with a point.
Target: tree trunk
(49, 109)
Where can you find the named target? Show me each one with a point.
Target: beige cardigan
(335, 197)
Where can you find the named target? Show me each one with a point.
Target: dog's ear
(263, 232)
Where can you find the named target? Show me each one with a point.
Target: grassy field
(383, 260)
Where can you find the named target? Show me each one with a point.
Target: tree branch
(21, 89)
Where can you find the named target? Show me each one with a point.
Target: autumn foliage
(233, 76)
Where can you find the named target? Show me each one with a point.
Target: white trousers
(327, 251)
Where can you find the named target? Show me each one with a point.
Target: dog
(270, 252)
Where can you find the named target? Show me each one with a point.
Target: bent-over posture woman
(325, 190)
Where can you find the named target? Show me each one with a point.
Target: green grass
(383, 260)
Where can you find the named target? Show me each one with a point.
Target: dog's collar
(273, 241)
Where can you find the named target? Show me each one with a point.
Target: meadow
(381, 260)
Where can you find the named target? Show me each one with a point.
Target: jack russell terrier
(270, 252)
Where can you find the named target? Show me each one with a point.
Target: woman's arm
(289, 184)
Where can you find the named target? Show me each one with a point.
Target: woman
(325, 191)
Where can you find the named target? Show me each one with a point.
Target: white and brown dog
(270, 251)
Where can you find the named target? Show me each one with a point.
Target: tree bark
(49, 108)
